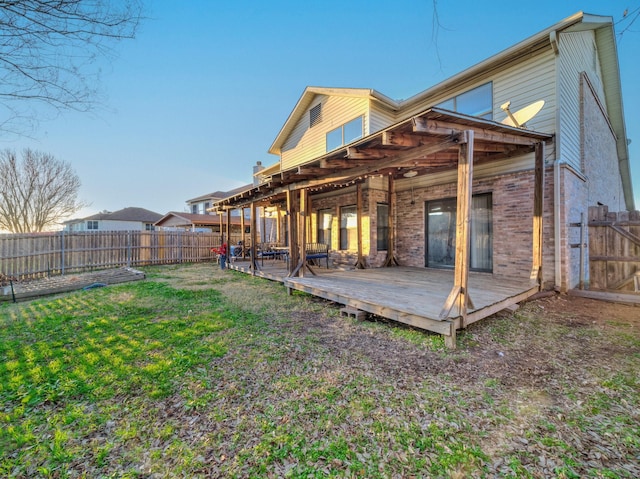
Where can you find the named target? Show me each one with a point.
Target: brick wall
(512, 200)
(599, 153)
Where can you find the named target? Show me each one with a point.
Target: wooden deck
(413, 296)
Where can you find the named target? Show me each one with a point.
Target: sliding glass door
(441, 233)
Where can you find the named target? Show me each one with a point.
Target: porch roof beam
(436, 127)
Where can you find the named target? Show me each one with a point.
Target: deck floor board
(406, 294)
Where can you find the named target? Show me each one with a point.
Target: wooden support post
(463, 237)
(228, 234)
(254, 242)
(242, 233)
(292, 218)
(538, 212)
(278, 225)
(391, 259)
(360, 263)
(459, 293)
(304, 214)
(221, 228)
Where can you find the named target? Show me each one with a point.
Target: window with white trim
(348, 228)
(92, 224)
(325, 218)
(476, 102)
(345, 134)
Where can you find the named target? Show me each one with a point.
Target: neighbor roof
(189, 219)
(127, 214)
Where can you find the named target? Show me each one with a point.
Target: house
(126, 219)
(453, 178)
(201, 205)
(210, 222)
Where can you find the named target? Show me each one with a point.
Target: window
(149, 227)
(477, 102)
(194, 209)
(92, 225)
(207, 205)
(344, 134)
(382, 229)
(325, 217)
(348, 228)
(441, 233)
(315, 115)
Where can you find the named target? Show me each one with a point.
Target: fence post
(129, 249)
(180, 246)
(62, 259)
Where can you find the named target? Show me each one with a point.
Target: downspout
(554, 40)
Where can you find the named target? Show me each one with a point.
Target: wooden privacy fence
(34, 255)
(614, 249)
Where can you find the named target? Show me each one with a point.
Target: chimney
(257, 169)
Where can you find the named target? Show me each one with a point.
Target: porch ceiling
(426, 143)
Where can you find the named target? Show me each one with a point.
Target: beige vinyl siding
(306, 143)
(380, 118)
(527, 83)
(577, 54)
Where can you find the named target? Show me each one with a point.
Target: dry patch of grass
(198, 372)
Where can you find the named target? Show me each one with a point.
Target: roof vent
(315, 115)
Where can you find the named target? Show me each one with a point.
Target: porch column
(221, 227)
(302, 230)
(459, 294)
(278, 225)
(292, 219)
(242, 233)
(391, 259)
(263, 223)
(360, 263)
(254, 237)
(538, 212)
(228, 229)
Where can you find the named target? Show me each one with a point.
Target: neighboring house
(201, 205)
(384, 182)
(127, 219)
(210, 222)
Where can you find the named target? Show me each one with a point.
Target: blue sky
(199, 96)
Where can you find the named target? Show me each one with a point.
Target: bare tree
(37, 192)
(48, 50)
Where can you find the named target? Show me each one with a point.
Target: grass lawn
(196, 372)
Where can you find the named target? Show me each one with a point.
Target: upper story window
(345, 134)
(92, 224)
(315, 115)
(207, 205)
(477, 102)
(194, 209)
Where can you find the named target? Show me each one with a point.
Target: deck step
(353, 313)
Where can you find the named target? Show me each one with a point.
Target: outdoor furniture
(317, 251)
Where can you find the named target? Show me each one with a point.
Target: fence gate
(614, 250)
